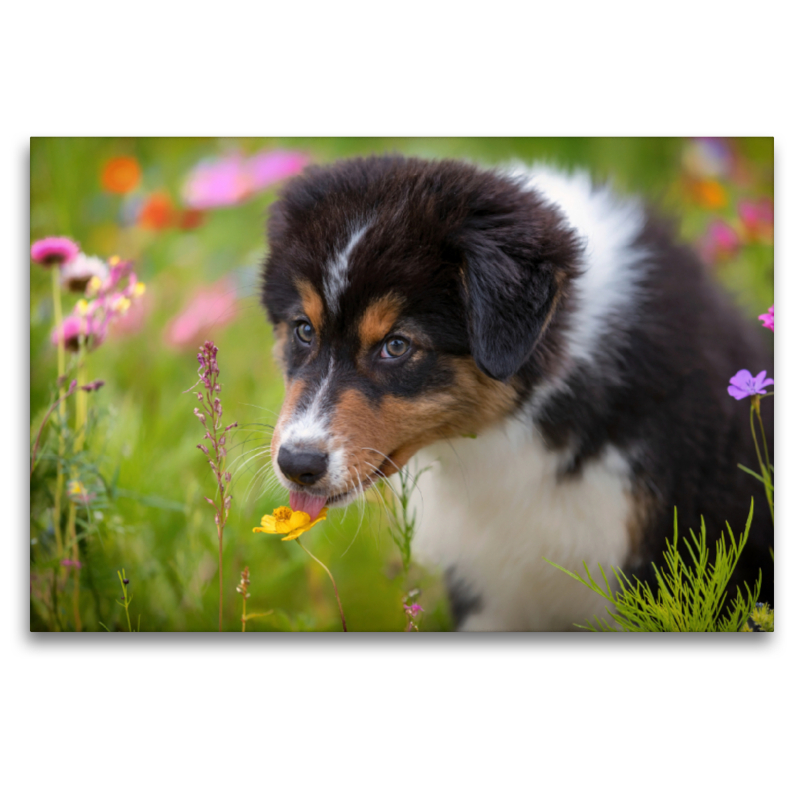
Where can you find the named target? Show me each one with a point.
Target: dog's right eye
(304, 332)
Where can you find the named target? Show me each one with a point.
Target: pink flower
(413, 610)
(223, 182)
(133, 320)
(266, 168)
(76, 274)
(768, 319)
(55, 250)
(68, 562)
(75, 326)
(758, 219)
(743, 384)
(232, 179)
(719, 242)
(210, 307)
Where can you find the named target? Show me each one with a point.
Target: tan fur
(378, 320)
(387, 436)
(312, 303)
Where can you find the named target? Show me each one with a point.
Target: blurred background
(191, 214)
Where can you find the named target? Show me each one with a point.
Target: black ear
(518, 255)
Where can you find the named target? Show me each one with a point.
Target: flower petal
(737, 393)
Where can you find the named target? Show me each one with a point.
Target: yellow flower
(93, 287)
(121, 304)
(293, 523)
(82, 307)
(138, 289)
(75, 488)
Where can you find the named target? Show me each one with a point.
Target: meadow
(189, 214)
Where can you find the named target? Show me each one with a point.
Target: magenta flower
(743, 384)
(413, 610)
(719, 242)
(768, 319)
(232, 179)
(76, 273)
(75, 326)
(68, 562)
(209, 308)
(54, 251)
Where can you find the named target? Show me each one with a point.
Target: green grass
(158, 527)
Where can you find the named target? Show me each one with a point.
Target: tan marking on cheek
(399, 427)
(312, 303)
(378, 320)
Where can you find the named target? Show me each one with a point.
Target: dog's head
(406, 298)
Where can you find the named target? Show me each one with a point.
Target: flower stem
(335, 590)
(220, 528)
(755, 408)
(62, 360)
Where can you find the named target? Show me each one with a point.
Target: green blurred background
(149, 515)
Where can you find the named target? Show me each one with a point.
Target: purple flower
(768, 319)
(55, 250)
(743, 384)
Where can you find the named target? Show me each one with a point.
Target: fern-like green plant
(402, 519)
(689, 596)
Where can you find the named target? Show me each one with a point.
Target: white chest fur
(493, 508)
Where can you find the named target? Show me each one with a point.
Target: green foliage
(402, 520)
(690, 597)
(762, 620)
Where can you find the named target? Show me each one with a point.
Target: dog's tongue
(311, 504)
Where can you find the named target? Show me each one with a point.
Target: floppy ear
(517, 261)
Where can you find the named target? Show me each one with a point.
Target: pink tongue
(311, 504)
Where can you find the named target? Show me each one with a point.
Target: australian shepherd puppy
(552, 352)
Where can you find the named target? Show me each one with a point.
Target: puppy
(547, 347)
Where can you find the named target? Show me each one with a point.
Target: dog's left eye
(395, 347)
(305, 332)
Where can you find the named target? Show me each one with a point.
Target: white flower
(76, 274)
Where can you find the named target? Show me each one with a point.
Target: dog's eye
(304, 331)
(395, 347)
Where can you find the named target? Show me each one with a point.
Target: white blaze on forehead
(336, 278)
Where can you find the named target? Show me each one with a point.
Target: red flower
(157, 212)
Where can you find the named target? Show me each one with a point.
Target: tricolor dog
(547, 346)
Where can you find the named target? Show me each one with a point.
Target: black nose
(305, 467)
